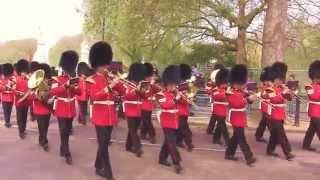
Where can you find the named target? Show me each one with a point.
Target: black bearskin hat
(279, 70)
(185, 71)
(239, 74)
(22, 66)
(7, 69)
(47, 70)
(100, 54)
(149, 69)
(314, 69)
(69, 61)
(1, 70)
(266, 74)
(137, 72)
(34, 65)
(222, 76)
(82, 68)
(218, 66)
(171, 75)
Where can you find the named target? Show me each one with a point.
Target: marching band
(96, 87)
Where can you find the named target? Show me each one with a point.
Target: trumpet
(120, 78)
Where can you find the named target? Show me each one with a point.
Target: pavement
(25, 160)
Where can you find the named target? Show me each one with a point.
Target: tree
(65, 43)
(12, 51)
(138, 28)
(274, 33)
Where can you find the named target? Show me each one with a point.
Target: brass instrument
(120, 78)
(38, 86)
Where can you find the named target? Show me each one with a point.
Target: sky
(27, 18)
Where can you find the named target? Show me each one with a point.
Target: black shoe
(139, 153)
(101, 172)
(69, 160)
(178, 168)
(218, 142)
(165, 163)
(273, 154)
(309, 149)
(261, 140)
(22, 135)
(143, 137)
(251, 161)
(231, 158)
(190, 147)
(111, 178)
(46, 147)
(181, 145)
(153, 140)
(8, 125)
(290, 157)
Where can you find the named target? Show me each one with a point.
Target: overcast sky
(23, 18)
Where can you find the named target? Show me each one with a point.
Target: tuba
(38, 86)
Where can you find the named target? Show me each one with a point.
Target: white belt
(132, 102)
(62, 99)
(107, 102)
(235, 110)
(278, 105)
(7, 92)
(172, 111)
(20, 92)
(66, 99)
(220, 103)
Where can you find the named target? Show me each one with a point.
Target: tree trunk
(242, 30)
(241, 46)
(274, 32)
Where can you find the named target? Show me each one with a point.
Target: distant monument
(42, 53)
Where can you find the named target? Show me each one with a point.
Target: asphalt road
(25, 160)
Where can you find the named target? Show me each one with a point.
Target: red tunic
(169, 113)
(102, 111)
(132, 103)
(219, 101)
(83, 89)
(237, 104)
(20, 90)
(314, 101)
(6, 94)
(278, 102)
(64, 105)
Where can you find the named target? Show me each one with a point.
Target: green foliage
(305, 46)
(65, 43)
(12, 51)
(203, 53)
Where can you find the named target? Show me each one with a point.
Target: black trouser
(133, 140)
(314, 128)
(65, 126)
(43, 126)
(103, 139)
(184, 132)
(83, 111)
(239, 138)
(7, 108)
(264, 123)
(169, 146)
(221, 130)
(22, 115)
(147, 126)
(278, 136)
(211, 125)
